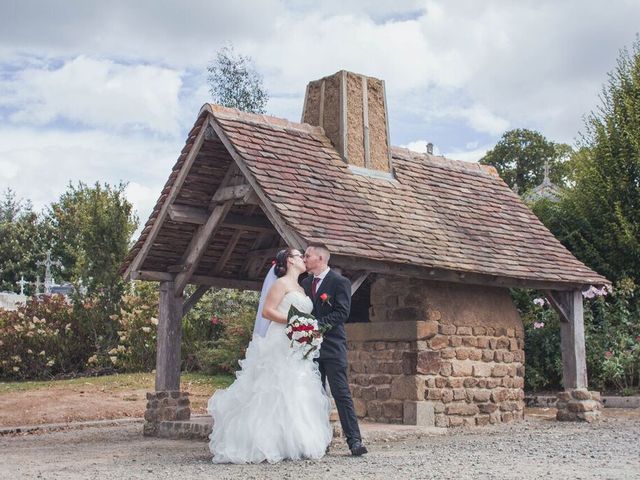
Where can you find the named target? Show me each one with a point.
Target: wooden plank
(253, 224)
(286, 232)
(168, 339)
(173, 193)
(357, 281)
(386, 117)
(194, 298)
(234, 192)
(574, 363)
(199, 243)
(365, 122)
(414, 271)
(221, 282)
(188, 214)
(228, 251)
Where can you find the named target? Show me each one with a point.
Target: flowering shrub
(612, 337)
(137, 324)
(39, 340)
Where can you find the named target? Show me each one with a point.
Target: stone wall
(438, 354)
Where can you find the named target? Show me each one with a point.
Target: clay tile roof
(436, 213)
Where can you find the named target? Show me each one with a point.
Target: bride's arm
(274, 297)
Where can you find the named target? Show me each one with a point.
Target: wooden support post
(568, 304)
(194, 298)
(169, 338)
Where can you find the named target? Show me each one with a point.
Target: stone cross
(22, 283)
(546, 179)
(48, 278)
(37, 284)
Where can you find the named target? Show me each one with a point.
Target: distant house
(430, 244)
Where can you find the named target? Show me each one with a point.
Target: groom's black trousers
(336, 372)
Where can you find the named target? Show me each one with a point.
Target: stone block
(374, 409)
(461, 368)
(446, 329)
(463, 330)
(441, 382)
(459, 394)
(434, 315)
(469, 341)
(448, 353)
(493, 382)
(441, 420)
(470, 382)
(392, 409)
(481, 395)
(368, 393)
(383, 393)
(482, 420)
(455, 341)
(428, 362)
(461, 408)
(590, 417)
(456, 421)
(507, 417)
(407, 387)
(580, 394)
(475, 355)
(418, 413)
(508, 406)
(583, 406)
(438, 407)
(455, 382)
(463, 353)
(433, 393)
(439, 342)
(487, 407)
(499, 395)
(487, 355)
(499, 371)
(483, 342)
(479, 330)
(445, 369)
(409, 363)
(447, 396)
(513, 345)
(482, 369)
(430, 382)
(183, 413)
(381, 379)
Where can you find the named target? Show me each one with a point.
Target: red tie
(314, 286)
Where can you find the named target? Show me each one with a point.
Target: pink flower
(537, 325)
(539, 302)
(214, 320)
(608, 354)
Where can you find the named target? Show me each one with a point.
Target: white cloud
(97, 93)
(40, 164)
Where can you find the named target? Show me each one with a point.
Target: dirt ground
(62, 402)
(536, 448)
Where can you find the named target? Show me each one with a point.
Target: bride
(276, 408)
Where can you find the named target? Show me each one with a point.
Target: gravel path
(535, 448)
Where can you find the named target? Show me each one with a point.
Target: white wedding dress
(276, 408)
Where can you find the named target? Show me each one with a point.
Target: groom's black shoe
(357, 449)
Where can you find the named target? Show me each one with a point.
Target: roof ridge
(440, 160)
(219, 111)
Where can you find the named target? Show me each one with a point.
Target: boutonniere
(325, 299)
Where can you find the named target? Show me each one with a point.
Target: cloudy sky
(107, 90)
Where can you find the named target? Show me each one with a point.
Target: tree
(599, 218)
(93, 226)
(234, 82)
(24, 236)
(519, 158)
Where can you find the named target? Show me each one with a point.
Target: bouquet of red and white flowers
(304, 332)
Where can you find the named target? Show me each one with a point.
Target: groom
(331, 296)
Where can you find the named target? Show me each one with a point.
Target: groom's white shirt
(321, 277)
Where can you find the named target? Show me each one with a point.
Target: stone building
(431, 246)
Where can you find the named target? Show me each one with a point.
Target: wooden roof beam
(210, 281)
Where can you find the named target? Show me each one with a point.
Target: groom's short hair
(324, 250)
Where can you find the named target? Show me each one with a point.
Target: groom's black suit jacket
(334, 312)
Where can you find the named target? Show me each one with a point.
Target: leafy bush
(39, 340)
(217, 331)
(612, 338)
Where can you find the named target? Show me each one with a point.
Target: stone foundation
(437, 354)
(579, 405)
(167, 406)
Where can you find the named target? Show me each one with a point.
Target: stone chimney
(352, 109)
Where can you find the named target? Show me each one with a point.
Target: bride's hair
(281, 266)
